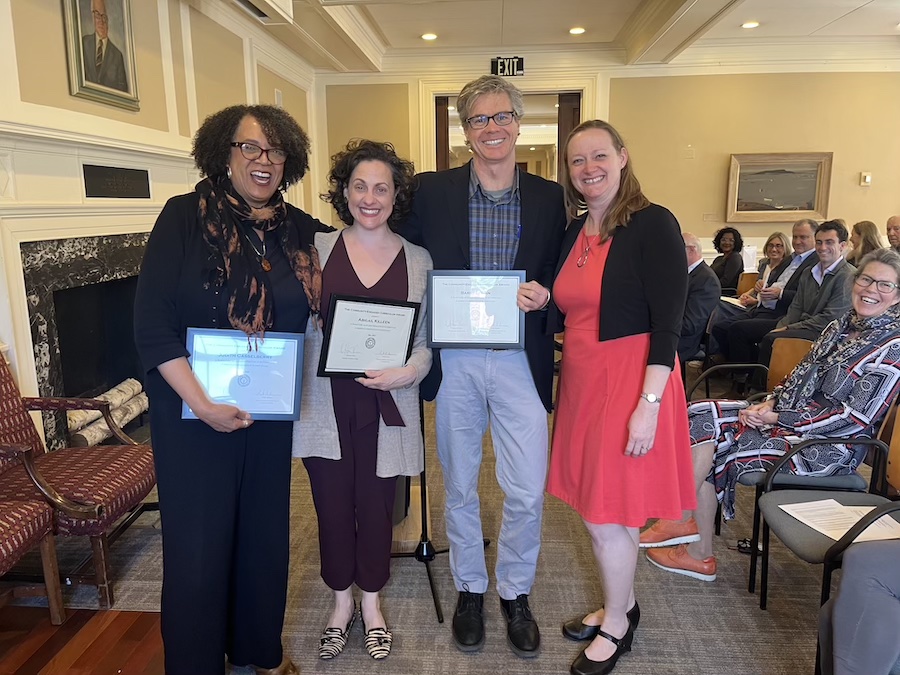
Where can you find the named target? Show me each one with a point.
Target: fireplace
(56, 265)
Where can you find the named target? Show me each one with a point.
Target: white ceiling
(361, 35)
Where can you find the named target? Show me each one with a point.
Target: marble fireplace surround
(52, 236)
(55, 264)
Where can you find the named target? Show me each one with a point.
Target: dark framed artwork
(100, 51)
(778, 187)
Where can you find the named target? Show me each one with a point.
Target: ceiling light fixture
(556, 105)
(429, 36)
(578, 30)
(750, 24)
(532, 148)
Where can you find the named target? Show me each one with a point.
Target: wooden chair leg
(51, 580)
(100, 546)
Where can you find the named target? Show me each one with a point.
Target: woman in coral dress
(621, 450)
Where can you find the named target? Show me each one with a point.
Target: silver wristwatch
(651, 398)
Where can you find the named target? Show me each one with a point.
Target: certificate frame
(440, 312)
(228, 351)
(330, 362)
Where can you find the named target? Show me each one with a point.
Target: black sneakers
(468, 621)
(521, 628)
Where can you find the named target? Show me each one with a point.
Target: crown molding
(359, 32)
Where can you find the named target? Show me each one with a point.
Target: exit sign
(508, 66)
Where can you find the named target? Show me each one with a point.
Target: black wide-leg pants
(225, 502)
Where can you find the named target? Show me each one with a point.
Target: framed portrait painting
(778, 187)
(100, 51)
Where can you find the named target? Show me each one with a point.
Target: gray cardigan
(400, 449)
(814, 306)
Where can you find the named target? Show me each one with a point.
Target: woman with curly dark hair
(729, 265)
(232, 254)
(356, 436)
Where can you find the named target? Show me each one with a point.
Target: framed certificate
(366, 334)
(475, 310)
(261, 376)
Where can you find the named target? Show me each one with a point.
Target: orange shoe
(669, 533)
(679, 561)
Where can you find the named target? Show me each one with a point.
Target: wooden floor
(88, 643)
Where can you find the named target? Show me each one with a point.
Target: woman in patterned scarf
(842, 388)
(232, 254)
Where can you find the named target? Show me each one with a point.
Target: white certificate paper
(833, 519)
(366, 334)
(258, 375)
(475, 310)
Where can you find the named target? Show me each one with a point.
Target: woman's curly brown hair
(211, 150)
(344, 163)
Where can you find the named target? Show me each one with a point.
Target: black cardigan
(644, 283)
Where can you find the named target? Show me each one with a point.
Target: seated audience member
(772, 265)
(729, 265)
(859, 628)
(702, 295)
(775, 259)
(823, 294)
(842, 388)
(737, 337)
(864, 238)
(893, 232)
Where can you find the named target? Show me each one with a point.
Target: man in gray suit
(702, 297)
(103, 61)
(823, 294)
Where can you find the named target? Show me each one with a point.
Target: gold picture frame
(778, 187)
(107, 75)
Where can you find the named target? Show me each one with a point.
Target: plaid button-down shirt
(494, 225)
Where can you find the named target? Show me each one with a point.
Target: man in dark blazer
(703, 295)
(487, 216)
(103, 61)
(738, 340)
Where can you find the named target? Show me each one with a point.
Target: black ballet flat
(582, 665)
(577, 630)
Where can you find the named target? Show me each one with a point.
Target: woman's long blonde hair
(628, 199)
(869, 239)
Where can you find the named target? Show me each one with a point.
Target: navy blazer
(439, 221)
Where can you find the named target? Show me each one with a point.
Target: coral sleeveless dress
(599, 387)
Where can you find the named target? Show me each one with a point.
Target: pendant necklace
(588, 242)
(266, 265)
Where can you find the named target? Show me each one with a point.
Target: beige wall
(293, 100)
(43, 70)
(853, 115)
(218, 66)
(176, 34)
(379, 112)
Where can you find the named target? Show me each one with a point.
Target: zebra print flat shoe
(334, 640)
(378, 643)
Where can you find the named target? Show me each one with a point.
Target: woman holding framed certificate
(233, 259)
(621, 449)
(359, 426)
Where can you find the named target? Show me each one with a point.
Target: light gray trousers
(481, 387)
(859, 629)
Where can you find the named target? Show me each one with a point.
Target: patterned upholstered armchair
(93, 491)
(24, 525)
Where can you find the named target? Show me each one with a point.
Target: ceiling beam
(659, 30)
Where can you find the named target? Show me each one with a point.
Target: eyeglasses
(501, 119)
(864, 281)
(100, 17)
(252, 151)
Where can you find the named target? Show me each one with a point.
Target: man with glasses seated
(488, 216)
(103, 61)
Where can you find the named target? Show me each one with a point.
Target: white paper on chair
(834, 519)
(732, 301)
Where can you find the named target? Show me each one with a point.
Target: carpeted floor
(688, 627)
